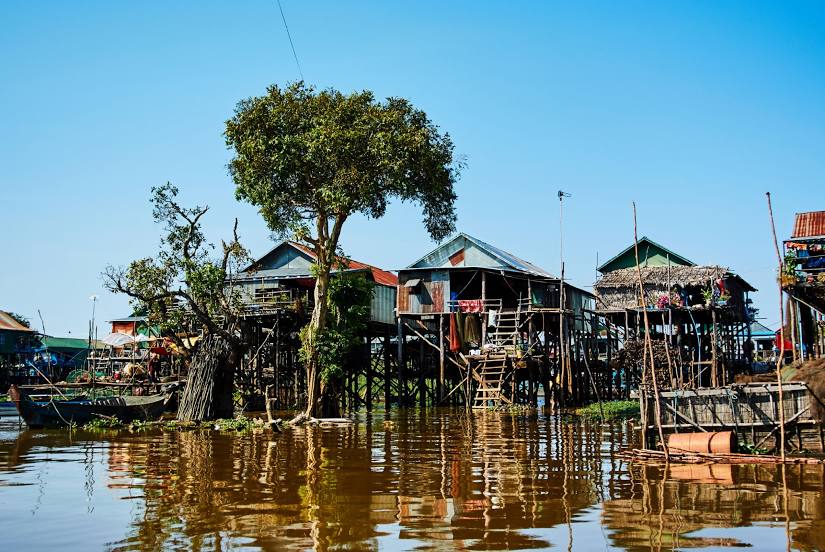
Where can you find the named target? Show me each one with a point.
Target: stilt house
(803, 278)
(703, 312)
(277, 291)
(484, 308)
(283, 279)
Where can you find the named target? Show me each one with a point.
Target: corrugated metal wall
(429, 296)
(383, 304)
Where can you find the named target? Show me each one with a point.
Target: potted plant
(723, 299)
(707, 296)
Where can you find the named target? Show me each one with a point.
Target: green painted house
(650, 254)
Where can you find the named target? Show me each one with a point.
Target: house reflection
(433, 479)
(667, 505)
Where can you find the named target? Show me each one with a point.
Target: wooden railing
(486, 304)
(270, 301)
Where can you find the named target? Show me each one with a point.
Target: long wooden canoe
(57, 413)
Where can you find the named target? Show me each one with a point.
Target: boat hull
(78, 412)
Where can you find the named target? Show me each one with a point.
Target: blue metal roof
(514, 262)
(760, 330)
(500, 259)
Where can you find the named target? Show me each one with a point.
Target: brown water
(426, 480)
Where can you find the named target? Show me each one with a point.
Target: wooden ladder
(490, 374)
(507, 329)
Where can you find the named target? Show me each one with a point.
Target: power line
(291, 45)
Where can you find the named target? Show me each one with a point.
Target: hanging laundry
(472, 330)
(470, 305)
(492, 318)
(459, 322)
(455, 342)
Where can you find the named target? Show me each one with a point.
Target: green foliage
(789, 263)
(308, 160)
(22, 320)
(102, 423)
(613, 410)
(750, 448)
(349, 298)
(237, 424)
(183, 273)
(302, 154)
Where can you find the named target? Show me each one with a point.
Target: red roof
(809, 225)
(380, 276)
(10, 324)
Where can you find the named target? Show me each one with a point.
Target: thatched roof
(662, 275)
(619, 289)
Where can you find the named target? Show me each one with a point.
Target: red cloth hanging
(471, 305)
(455, 342)
(778, 341)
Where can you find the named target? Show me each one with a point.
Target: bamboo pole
(648, 343)
(780, 360)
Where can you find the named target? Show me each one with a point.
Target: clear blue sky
(692, 109)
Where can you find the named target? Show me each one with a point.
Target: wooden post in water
(368, 393)
(780, 361)
(387, 370)
(648, 344)
(441, 358)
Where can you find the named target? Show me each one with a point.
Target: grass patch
(613, 410)
(102, 423)
(237, 424)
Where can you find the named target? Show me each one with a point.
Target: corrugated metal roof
(507, 260)
(510, 259)
(69, 343)
(809, 225)
(758, 329)
(129, 319)
(10, 324)
(382, 277)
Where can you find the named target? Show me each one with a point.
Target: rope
(289, 36)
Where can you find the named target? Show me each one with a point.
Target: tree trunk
(318, 322)
(209, 387)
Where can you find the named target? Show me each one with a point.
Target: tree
(20, 319)
(309, 160)
(348, 299)
(184, 288)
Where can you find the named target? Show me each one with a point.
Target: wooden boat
(57, 413)
(7, 409)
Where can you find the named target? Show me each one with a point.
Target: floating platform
(751, 410)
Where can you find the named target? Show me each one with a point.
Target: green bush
(103, 423)
(236, 424)
(613, 410)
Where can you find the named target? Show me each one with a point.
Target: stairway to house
(506, 333)
(491, 373)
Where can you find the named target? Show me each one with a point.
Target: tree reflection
(427, 478)
(437, 476)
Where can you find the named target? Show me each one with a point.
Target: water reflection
(682, 506)
(429, 479)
